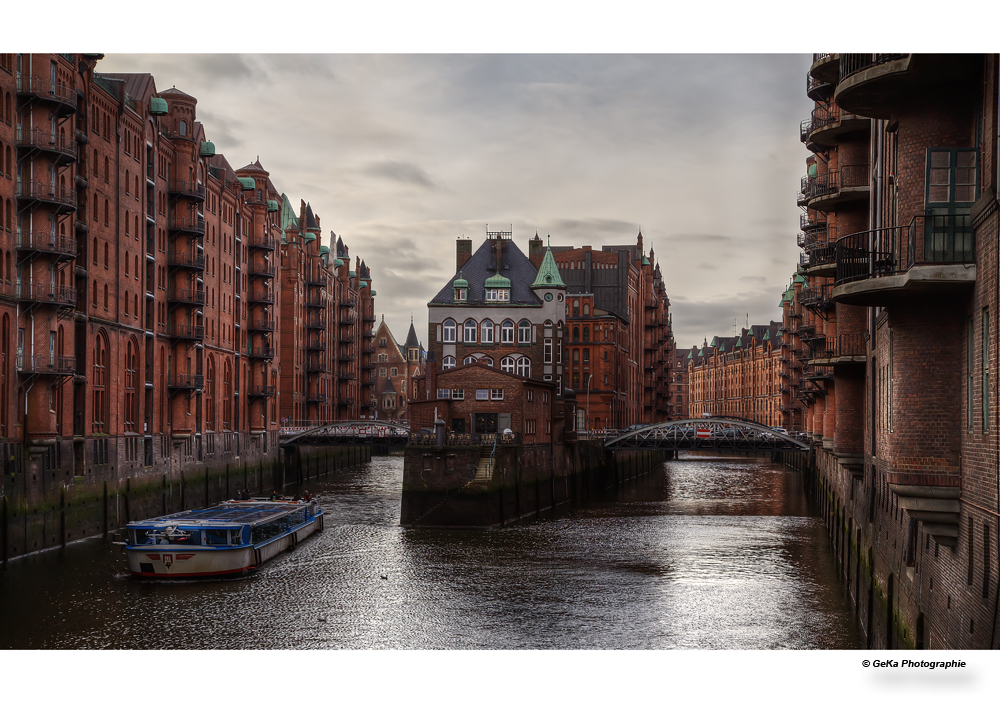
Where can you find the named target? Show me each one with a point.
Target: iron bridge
(359, 432)
(715, 433)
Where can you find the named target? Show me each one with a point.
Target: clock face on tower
(548, 297)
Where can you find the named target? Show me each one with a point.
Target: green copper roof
(548, 273)
(324, 249)
(645, 260)
(701, 352)
(338, 263)
(373, 293)
(157, 106)
(207, 149)
(460, 282)
(352, 274)
(309, 237)
(799, 278)
(739, 343)
(714, 342)
(812, 170)
(272, 205)
(247, 183)
(363, 284)
(287, 214)
(691, 354)
(767, 336)
(498, 281)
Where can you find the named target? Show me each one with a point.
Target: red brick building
(146, 327)
(738, 376)
(397, 367)
(892, 340)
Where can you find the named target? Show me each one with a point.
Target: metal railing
(854, 63)
(47, 293)
(182, 380)
(186, 331)
(890, 251)
(194, 225)
(260, 352)
(841, 345)
(188, 259)
(261, 325)
(815, 296)
(462, 439)
(186, 296)
(45, 242)
(36, 85)
(260, 269)
(47, 191)
(855, 176)
(265, 297)
(187, 188)
(47, 364)
(47, 141)
(260, 391)
(261, 242)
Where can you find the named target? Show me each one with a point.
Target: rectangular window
(986, 561)
(444, 393)
(969, 365)
(972, 548)
(986, 370)
(482, 394)
(458, 394)
(547, 353)
(470, 334)
(496, 394)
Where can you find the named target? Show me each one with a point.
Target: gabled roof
(139, 85)
(310, 218)
(255, 166)
(388, 387)
(514, 266)
(288, 214)
(177, 93)
(548, 273)
(341, 251)
(411, 337)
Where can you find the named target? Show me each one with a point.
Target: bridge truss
(359, 432)
(715, 433)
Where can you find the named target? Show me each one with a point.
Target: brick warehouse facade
(594, 321)
(146, 330)
(890, 338)
(738, 376)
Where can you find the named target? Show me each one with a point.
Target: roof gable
(514, 266)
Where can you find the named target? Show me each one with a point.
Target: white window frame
(507, 332)
(524, 365)
(524, 332)
(482, 394)
(448, 362)
(444, 394)
(496, 393)
(458, 394)
(449, 332)
(470, 327)
(486, 332)
(507, 364)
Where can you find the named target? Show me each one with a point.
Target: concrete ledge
(921, 278)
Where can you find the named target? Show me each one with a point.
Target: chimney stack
(463, 252)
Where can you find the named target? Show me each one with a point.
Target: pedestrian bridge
(712, 433)
(359, 432)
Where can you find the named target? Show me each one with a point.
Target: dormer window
(461, 294)
(496, 295)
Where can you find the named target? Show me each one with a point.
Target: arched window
(449, 332)
(105, 296)
(524, 332)
(107, 217)
(107, 258)
(136, 269)
(182, 128)
(469, 360)
(586, 334)
(128, 177)
(448, 362)
(470, 332)
(586, 309)
(131, 372)
(524, 366)
(99, 374)
(107, 173)
(576, 308)
(507, 364)
(576, 334)
(94, 297)
(507, 332)
(126, 266)
(227, 399)
(210, 393)
(487, 332)
(95, 208)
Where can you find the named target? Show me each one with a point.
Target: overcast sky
(402, 154)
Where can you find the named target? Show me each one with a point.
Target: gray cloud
(400, 172)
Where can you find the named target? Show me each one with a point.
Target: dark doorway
(486, 422)
(458, 424)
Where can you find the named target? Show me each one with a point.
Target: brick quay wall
(445, 486)
(41, 508)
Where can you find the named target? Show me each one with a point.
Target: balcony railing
(186, 381)
(314, 279)
(45, 242)
(824, 255)
(315, 366)
(853, 63)
(316, 300)
(191, 225)
(260, 352)
(855, 176)
(890, 251)
(48, 364)
(316, 322)
(261, 242)
(47, 293)
(316, 398)
(842, 345)
(264, 297)
(261, 325)
(261, 269)
(186, 331)
(187, 259)
(64, 95)
(815, 296)
(259, 391)
(316, 345)
(47, 192)
(189, 189)
(186, 296)
(45, 140)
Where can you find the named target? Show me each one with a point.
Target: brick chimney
(536, 251)
(463, 252)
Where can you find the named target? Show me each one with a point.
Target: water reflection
(707, 553)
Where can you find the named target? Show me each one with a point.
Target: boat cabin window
(216, 537)
(140, 536)
(189, 538)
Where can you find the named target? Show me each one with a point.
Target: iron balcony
(261, 269)
(62, 97)
(59, 148)
(188, 189)
(263, 352)
(261, 325)
(47, 364)
(186, 331)
(181, 381)
(60, 198)
(186, 259)
(47, 294)
(261, 242)
(259, 391)
(185, 296)
(45, 242)
(187, 225)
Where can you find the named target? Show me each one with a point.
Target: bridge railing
(459, 439)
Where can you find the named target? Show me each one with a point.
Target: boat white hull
(174, 561)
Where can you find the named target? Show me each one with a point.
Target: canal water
(704, 553)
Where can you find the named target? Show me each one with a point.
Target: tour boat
(231, 538)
